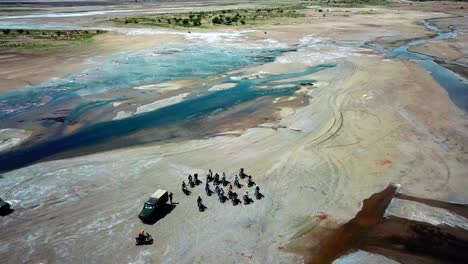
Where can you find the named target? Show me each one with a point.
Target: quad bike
(144, 240)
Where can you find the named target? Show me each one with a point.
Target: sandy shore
(369, 121)
(336, 161)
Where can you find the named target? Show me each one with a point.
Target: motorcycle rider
(257, 192)
(223, 179)
(207, 189)
(246, 197)
(184, 187)
(192, 184)
(250, 183)
(242, 174)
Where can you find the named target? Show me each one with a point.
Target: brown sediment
(404, 240)
(344, 238)
(409, 241)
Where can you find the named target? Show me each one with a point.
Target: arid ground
(382, 117)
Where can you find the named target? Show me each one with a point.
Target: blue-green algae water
(139, 68)
(148, 68)
(173, 63)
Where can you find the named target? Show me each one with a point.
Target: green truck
(153, 206)
(4, 207)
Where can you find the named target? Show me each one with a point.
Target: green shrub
(216, 20)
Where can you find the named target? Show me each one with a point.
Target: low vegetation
(345, 3)
(229, 17)
(44, 40)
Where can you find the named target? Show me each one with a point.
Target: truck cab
(153, 206)
(4, 206)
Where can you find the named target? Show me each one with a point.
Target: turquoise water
(135, 69)
(25, 25)
(185, 111)
(172, 63)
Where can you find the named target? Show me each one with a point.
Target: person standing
(207, 189)
(201, 207)
(236, 182)
(216, 178)
(199, 202)
(170, 197)
(223, 180)
(195, 179)
(250, 183)
(190, 180)
(241, 173)
(246, 198)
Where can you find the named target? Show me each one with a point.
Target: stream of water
(455, 85)
(192, 109)
(179, 62)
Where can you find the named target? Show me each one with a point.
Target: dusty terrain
(335, 161)
(369, 121)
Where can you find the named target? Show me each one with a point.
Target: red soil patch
(384, 163)
(321, 215)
